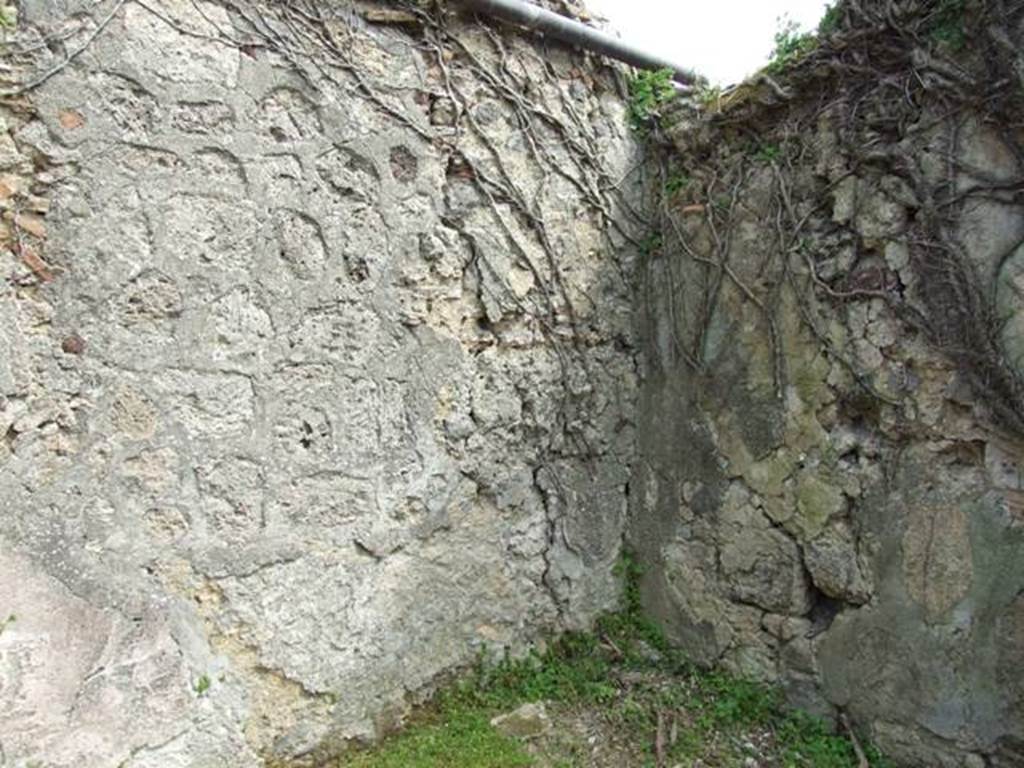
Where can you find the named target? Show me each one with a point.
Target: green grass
(455, 730)
(454, 737)
(807, 742)
(625, 673)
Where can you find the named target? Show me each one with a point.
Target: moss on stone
(817, 500)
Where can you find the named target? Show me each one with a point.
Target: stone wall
(315, 369)
(317, 373)
(827, 491)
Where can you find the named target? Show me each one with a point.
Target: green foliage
(716, 710)
(676, 183)
(7, 622)
(629, 572)
(571, 670)
(8, 17)
(457, 731)
(726, 705)
(946, 26)
(648, 90)
(807, 743)
(829, 21)
(790, 45)
(630, 628)
(767, 153)
(651, 243)
(708, 95)
(456, 737)
(202, 685)
(726, 701)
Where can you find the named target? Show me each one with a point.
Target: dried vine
(316, 40)
(897, 82)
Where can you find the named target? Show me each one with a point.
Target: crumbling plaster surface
(317, 376)
(299, 411)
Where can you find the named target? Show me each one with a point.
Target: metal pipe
(575, 33)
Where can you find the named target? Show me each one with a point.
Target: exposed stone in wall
(824, 496)
(315, 370)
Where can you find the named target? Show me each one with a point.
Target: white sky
(725, 40)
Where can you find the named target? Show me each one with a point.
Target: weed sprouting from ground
(453, 737)
(649, 700)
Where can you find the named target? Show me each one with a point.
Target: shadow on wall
(827, 491)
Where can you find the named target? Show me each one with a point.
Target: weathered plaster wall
(821, 497)
(317, 376)
(315, 370)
